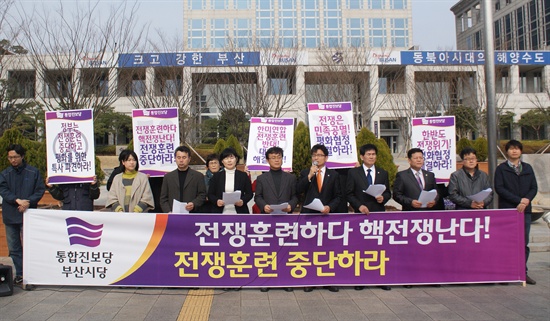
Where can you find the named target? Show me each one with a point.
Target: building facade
(386, 89)
(222, 24)
(518, 24)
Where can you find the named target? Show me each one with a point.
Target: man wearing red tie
(319, 182)
(411, 182)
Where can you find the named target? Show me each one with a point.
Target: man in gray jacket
(183, 184)
(467, 181)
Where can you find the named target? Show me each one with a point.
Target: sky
(433, 22)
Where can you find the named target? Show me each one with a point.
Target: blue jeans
(13, 236)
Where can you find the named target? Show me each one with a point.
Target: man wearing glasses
(21, 187)
(467, 181)
(275, 186)
(183, 184)
(322, 183)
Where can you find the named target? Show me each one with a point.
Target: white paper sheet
(179, 207)
(315, 205)
(479, 197)
(231, 197)
(278, 209)
(375, 190)
(426, 197)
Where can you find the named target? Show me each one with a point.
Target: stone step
(539, 247)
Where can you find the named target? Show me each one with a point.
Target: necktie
(319, 180)
(369, 178)
(419, 180)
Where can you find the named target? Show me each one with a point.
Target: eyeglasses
(230, 157)
(318, 155)
(276, 157)
(14, 157)
(470, 159)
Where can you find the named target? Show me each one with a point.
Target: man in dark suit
(411, 182)
(276, 186)
(359, 179)
(183, 184)
(320, 182)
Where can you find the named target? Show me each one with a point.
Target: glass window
(218, 33)
(219, 4)
(286, 4)
(242, 4)
(195, 4)
(398, 4)
(310, 4)
(356, 32)
(376, 4)
(399, 33)
(354, 4)
(377, 33)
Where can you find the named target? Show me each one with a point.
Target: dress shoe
(288, 289)
(385, 287)
(358, 288)
(436, 285)
(308, 289)
(407, 286)
(528, 280)
(333, 288)
(264, 289)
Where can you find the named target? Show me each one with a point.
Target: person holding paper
(75, 197)
(468, 181)
(516, 186)
(183, 184)
(321, 185)
(130, 191)
(410, 183)
(21, 188)
(359, 182)
(230, 180)
(275, 187)
(319, 182)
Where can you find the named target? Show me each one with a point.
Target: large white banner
(331, 124)
(156, 136)
(70, 146)
(436, 136)
(266, 133)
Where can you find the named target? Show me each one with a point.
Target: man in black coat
(516, 186)
(320, 182)
(275, 186)
(411, 182)
(359, 180)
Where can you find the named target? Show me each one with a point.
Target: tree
(112, 123)
(234, 143)
(234, 122)
(535, 119)
(12, 100)
(301, 157)
(384, 158)
(465, 119)
(220, 146)
(74, 52)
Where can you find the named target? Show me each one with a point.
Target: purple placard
(273, 121)
(69, 180)
(390, 248)
(81, 114)
(155, 113)
(335, 107)
(434, 121)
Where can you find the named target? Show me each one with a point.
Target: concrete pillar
(300, 92)
(513, 75)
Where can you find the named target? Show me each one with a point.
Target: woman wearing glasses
(230, 180)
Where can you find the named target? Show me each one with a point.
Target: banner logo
(83, 233)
